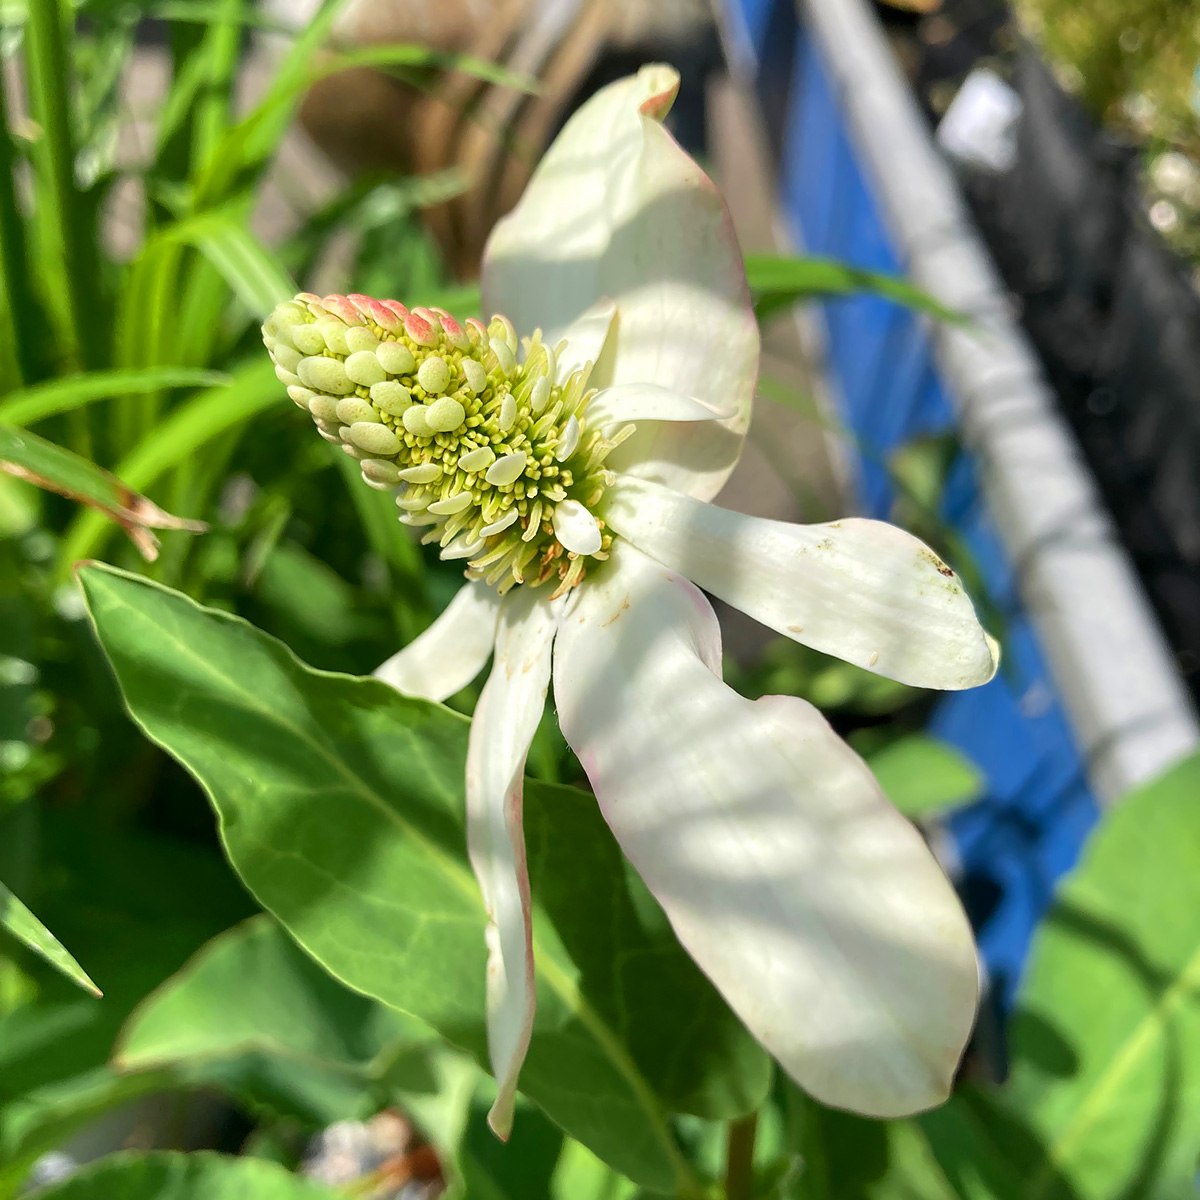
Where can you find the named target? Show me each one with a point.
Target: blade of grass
(192, 425)
(254, 272)
(779, 282)
(16, 308)
(26, 456)
(24, 926)
(72, 264)
(31, 404)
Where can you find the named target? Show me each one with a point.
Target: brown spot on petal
(617, 615)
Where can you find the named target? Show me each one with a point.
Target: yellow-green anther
(325, 375)
(363, 367)
(354, 408)
(359, 338)
(483, 449)
(333, 332)
(324, 408)
(475, 374)
(287, 357)
(478, 460)
(307, 339)
(415, 421)
(376, 440)
(507, 469)
(396, 358)
(433, 375)
(445, 414)
(381, 471)
(390, 397)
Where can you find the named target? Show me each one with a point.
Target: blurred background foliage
(132, 364)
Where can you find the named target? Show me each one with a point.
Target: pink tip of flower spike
(455, 334)
(377, 311)
(420, 330)
(309, 298)
(343, 308)
(396, 307)
(479, 328)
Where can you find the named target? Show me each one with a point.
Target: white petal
(505, 721)
(617, 210)
(648, 402)
(451, 652)
(576, 528)
(862, 590)
(585, 338)
(814, 907)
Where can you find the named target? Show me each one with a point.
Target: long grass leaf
(780, 282)
(28, 457)
(191, 426)
(71, 253)
(22, 924)
(254, 272)
(31, 404)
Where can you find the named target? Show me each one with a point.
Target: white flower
(575, 482)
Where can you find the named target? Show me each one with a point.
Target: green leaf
(166, 1176)
(193, 424)
(255, 273)
(37, 461)
(340, 803)
(779, 282)
(252, 988)
(31, 404)
(1106, 1047)
(923, 776)
(22, 924)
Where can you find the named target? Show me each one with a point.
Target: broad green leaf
(340, 803)
(167, 1176)
(779, 282)
(923, 776)
(1106, 1047)
(35, 460)
(22, 924)
(193, 424)
(252, 988)
(31, 404)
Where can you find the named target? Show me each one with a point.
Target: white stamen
(499, 526)
(478, 460)
(568, 441)
(507, 469)
(576, 528)
(364, 368)
(452, 504)
(425, 473)
(395, 358)
(376, 440)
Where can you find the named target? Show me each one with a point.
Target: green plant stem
(739, 1158)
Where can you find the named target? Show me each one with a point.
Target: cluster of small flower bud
(481, 443)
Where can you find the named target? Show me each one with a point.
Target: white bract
(573, 479)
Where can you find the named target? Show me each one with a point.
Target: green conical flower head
(480, 442)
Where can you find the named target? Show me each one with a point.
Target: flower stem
(739, 1158)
